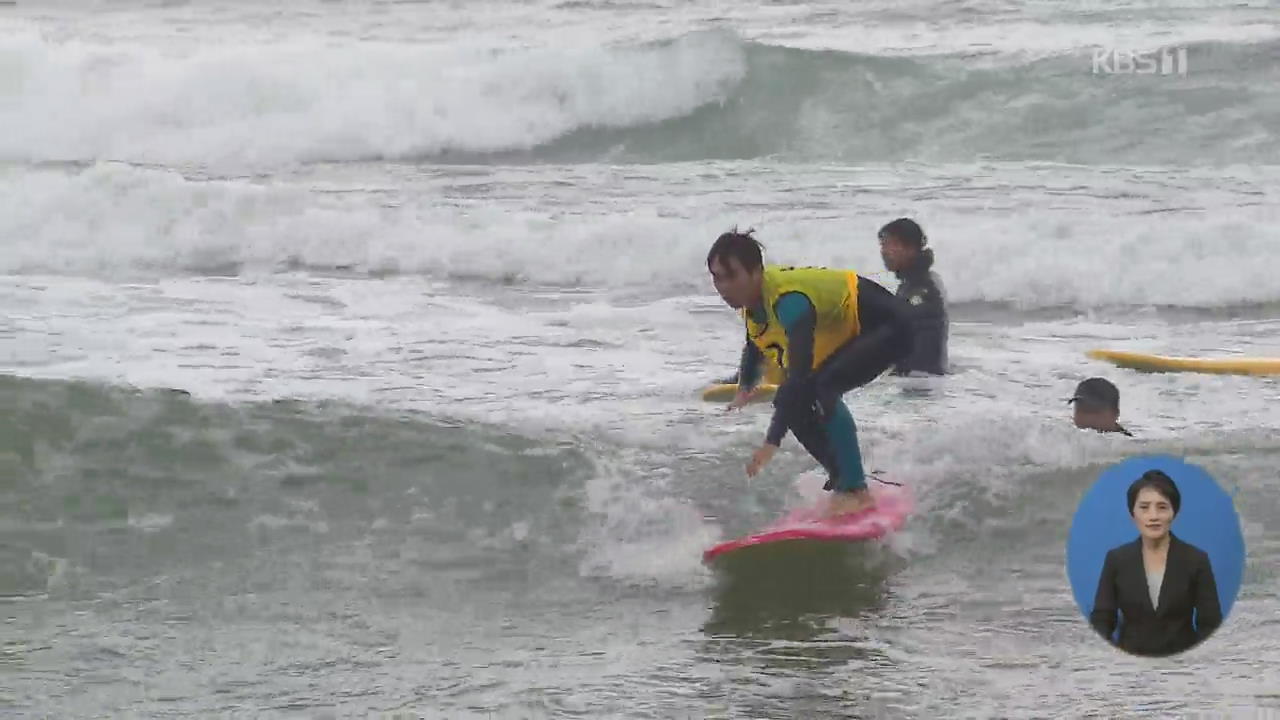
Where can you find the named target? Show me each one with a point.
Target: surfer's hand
(742, 398)
(760, 458)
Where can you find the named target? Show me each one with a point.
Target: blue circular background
(1207, 519)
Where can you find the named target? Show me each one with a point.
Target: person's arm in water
(798, 319)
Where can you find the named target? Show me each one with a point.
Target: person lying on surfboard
(830, 331)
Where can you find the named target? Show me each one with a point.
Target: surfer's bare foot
(845, 503)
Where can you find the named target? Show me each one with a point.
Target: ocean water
(350, 351)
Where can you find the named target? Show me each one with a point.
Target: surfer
(902, 247)
(830, 331)
(1097, 406)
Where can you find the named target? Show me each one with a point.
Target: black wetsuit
(926, 305)
(808, 403)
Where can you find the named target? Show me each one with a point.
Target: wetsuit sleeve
(924, 305)
(749, 366)
(1103, 614)
(799, 319)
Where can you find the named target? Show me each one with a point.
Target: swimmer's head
(736, 264)
(1097, 405)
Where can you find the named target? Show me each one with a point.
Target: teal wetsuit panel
(841, 431)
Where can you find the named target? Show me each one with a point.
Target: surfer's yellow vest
(834, 294)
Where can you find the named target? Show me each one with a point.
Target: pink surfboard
(893, 505)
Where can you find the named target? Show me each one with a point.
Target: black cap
(1097, 392)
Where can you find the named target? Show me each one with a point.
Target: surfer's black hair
(909, 232)
(741, 245)
(1161, 483)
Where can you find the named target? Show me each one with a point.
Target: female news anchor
(1158, 590)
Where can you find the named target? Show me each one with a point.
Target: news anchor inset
(1165, 588)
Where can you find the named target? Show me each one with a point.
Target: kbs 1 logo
(1165, 61)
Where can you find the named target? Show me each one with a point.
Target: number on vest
(779, 355)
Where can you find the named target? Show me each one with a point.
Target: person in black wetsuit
(830, 331)
(902, 246)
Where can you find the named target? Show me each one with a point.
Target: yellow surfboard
(725, 392)
(771, 377)
(1161, 363)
